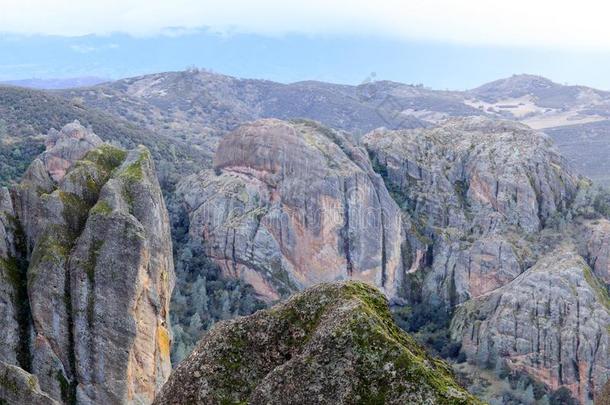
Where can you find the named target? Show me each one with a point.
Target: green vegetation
(134, 171)
(66, 391)
(601, 291)
(106, 157)
(202, 296)
(27, 115)
(101, 208)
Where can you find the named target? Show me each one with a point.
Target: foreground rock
(292, 204)
(332, 344)
(95, 261)
(20, 387)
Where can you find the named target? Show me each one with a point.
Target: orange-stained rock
(292, 204)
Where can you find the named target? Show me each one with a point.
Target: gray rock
(477, 190)
(596, 235)
(65, 147)
(9, 332)
(292, 204)
(551, 322)
(100, 272)
(19, 387)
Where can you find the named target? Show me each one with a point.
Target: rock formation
(475, 188)
(496, 204)
(87, 246)
(292, 204)
(332, 344)
(551, 321)
(20, 387)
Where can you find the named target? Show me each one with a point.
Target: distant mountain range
(200, 106)
(55, 84)
(197, 107)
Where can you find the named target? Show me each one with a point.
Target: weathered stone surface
(9, 332)
(596, 235)
(475, 172)
(20, 387)
(121, 273)
(65, 147)
(99, 272)
(292, 204)
(332, 344)
(461, 269)
(551, 321)
(476, 189)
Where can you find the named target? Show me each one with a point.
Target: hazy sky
(441, 43)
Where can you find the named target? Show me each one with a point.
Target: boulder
(331, 344)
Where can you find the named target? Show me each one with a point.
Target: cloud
(90, 48)
(558, 23)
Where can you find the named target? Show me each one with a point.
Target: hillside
(198, 107)
(27, 115)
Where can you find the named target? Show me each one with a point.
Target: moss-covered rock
(91, 282)
(20, 387)
(332, 344)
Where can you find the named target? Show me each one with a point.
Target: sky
(443, 44)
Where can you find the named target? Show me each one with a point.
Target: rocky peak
(292, 204)
(65, 147)
(551, 322)
(333, 343)
(88, 276)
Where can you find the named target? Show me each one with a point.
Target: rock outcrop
(11, 285)
(91, 249)
(476, 189)
(551, 322)
(292, 204)
(596, 237)
(20, 387)
(496, 204)
(332, 344)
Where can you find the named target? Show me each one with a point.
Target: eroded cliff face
(508, 248)
(477, 189)
(331, 344)
(91, 233)
(292, 204)
(551, 321)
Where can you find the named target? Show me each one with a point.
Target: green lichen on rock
(20, 387)
(133, 172)
(600, 290)
(105, 157)
(101, 208)
(333, 343)
(52, 246)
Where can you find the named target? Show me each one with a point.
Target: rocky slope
(493, 199)
(88, 271)
(332, 344)
(476, 189)
(26, 116)
(292, 204)
(551, 321)
(473, 206)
